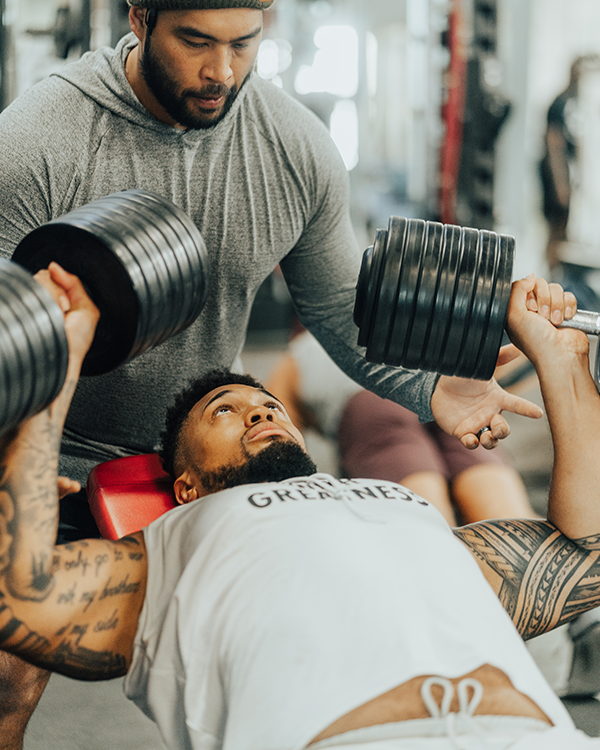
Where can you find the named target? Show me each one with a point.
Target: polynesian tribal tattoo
(547, 578)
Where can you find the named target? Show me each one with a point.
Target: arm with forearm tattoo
(71, 608)
(547, 572)
(542, 577)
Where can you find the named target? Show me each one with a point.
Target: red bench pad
(127, 494)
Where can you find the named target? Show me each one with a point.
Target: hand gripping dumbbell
(435, 297)
(142, 261)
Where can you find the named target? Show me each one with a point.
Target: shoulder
(287, 123)
(53, 107)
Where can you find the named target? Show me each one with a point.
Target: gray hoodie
(266, 186)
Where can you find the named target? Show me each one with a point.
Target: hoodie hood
(100, 75)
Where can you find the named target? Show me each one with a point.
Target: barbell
(142, 261)
(435, 297)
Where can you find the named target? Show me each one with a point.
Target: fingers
(488, 436)
(498, 426)
(507, 353)
(44, 279)
(67, 486)
(71, 285)
(550, 300)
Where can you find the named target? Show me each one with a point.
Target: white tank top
(274, 609)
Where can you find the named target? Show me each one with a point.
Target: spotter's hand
(462, 407)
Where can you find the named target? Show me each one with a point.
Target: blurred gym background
(440, 111)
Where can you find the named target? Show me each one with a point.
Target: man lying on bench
(278, 608)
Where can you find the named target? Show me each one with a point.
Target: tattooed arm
(542, 577)
(548, 572)
(71, 608)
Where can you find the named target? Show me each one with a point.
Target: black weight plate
(189, 239)
(360, 312)
(166, 250)
(142, 262)
(33, 346)
(155, 276)
(5, 380)
(368, 286)
(49, 321)
(10, 362)
(107, 280)
(387, 290)
(444, 297)
(476, 326)
(105, 276)
(410, 270)
(43, 326)
(487, 356)
(9, 379)
(462, 302)
(482, 299)
(35, 340)
(188, 248)
(22, 365)
(498, 308)
(186, 241)
(159, 251)
(425, 296)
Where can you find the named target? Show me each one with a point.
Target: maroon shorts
(382, 440)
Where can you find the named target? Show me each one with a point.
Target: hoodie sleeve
(43, 137)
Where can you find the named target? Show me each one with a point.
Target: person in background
(380, 439)
(560, 174)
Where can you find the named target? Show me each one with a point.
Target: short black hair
(185, 402)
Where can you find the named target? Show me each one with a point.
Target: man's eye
(274, 405)
(222, 409)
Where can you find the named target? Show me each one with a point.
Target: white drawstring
(467, 708)
(430, 701)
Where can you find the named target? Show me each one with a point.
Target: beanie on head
(200, 4)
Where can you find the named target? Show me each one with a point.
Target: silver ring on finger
(482, 430)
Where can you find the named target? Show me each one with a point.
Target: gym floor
(96, 716)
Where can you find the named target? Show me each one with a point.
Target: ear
(186, 489)
(137, 21)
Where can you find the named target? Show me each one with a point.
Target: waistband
(502, 728)
(460, 731)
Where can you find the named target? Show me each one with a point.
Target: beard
(280, 460)
(175, 101)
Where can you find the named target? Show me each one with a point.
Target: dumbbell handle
(584, 320)
(588, 322)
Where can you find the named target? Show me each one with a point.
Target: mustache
(212, 91)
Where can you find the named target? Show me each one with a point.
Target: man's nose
(258, 413)
(217, 67)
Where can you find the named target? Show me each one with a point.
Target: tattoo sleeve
(546, 579)
(70, 608)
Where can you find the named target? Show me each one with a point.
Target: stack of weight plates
(33, 346)
(434, 297)
(143, 262)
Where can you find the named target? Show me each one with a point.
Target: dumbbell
(435, 297)
(142, 261)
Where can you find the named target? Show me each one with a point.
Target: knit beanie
(200, 4)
